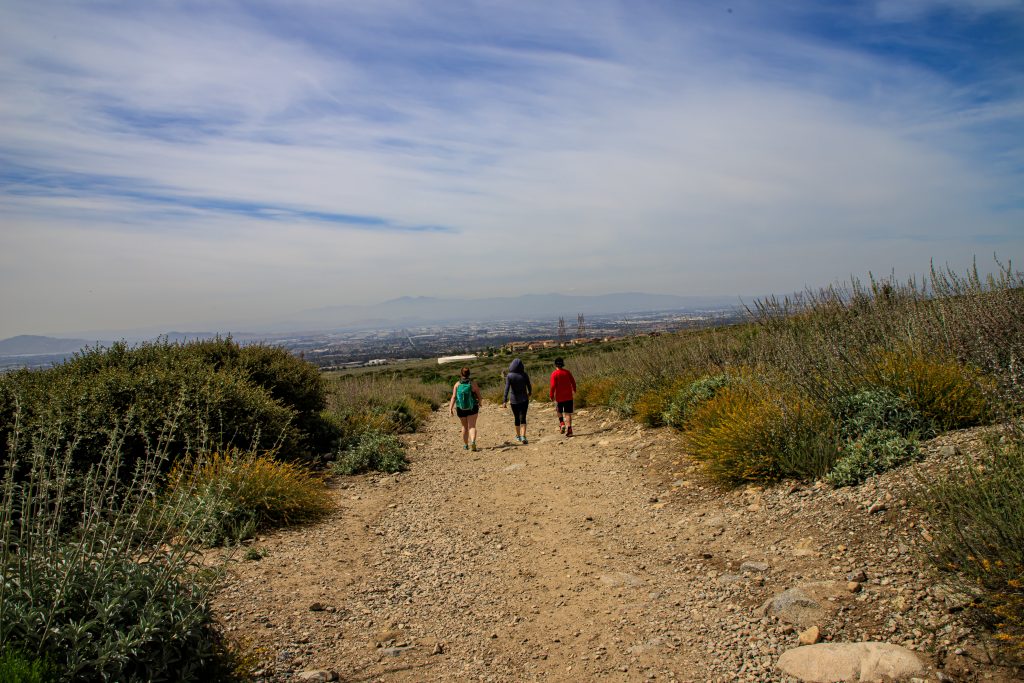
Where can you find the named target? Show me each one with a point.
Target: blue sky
(220, 164)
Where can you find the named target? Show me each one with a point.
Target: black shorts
(565, 407)
(519, 412)
(472, 411)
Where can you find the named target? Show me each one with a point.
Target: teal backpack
(464, 399)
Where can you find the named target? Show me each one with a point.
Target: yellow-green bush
(649, 408)
(978, 518)
(595, 391)
(236, 493)
(943, 391)
(750, 431)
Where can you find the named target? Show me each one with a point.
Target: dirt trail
(600, 557)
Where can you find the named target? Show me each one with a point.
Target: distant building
(377, 361)
(516, 347)
(456, 359)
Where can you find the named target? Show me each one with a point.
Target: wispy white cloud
(276, 160)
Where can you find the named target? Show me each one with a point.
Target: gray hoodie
(518, 382)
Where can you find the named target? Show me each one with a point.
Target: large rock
(795, 606)
(835, 662)
(319, 676)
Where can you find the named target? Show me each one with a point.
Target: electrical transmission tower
(561, 329)
(581, 327)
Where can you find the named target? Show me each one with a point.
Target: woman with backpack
(518, 382)
(465, 403)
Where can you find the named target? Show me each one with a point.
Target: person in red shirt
(563, 388)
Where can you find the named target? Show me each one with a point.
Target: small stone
(859, 576)
(385, 637)
(316, 607)
(877, 506)
(950, 450)
(759, 567)
(319, 676)
(810, 636)
(853, 586)
(438, 649)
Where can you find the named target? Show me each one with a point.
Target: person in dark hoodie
(517, 382)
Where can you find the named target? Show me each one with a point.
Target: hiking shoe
(519, 438)
(465, 446)
(472, 446)
(524, 441)
(561, 427)
(568, 432)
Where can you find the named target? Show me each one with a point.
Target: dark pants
(519, 412)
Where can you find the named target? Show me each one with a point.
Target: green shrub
(874, 452)
(691, 397)
(878, 408)
(375, 450)
(624, 396)
(179, 398)
(17, 667)
(113, 597)
(234, 494)
(978, 518)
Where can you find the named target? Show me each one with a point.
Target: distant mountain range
(32, 344)
(38, 345)
(419, 310)
(407, 311)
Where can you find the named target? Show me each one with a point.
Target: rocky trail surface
(602, 557)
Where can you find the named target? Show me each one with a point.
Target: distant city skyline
(201, 166)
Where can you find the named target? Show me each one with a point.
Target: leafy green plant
(375, 450)
(878, 408)
(691, 397)
(120, 594)
(874, 452)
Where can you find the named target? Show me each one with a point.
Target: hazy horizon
(174, 165)
(292, 321)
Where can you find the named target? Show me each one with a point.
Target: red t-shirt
(563, 385)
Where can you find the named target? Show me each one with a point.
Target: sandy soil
(604, 557)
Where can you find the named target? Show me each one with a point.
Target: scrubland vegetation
(123, 466)
(119, 468)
